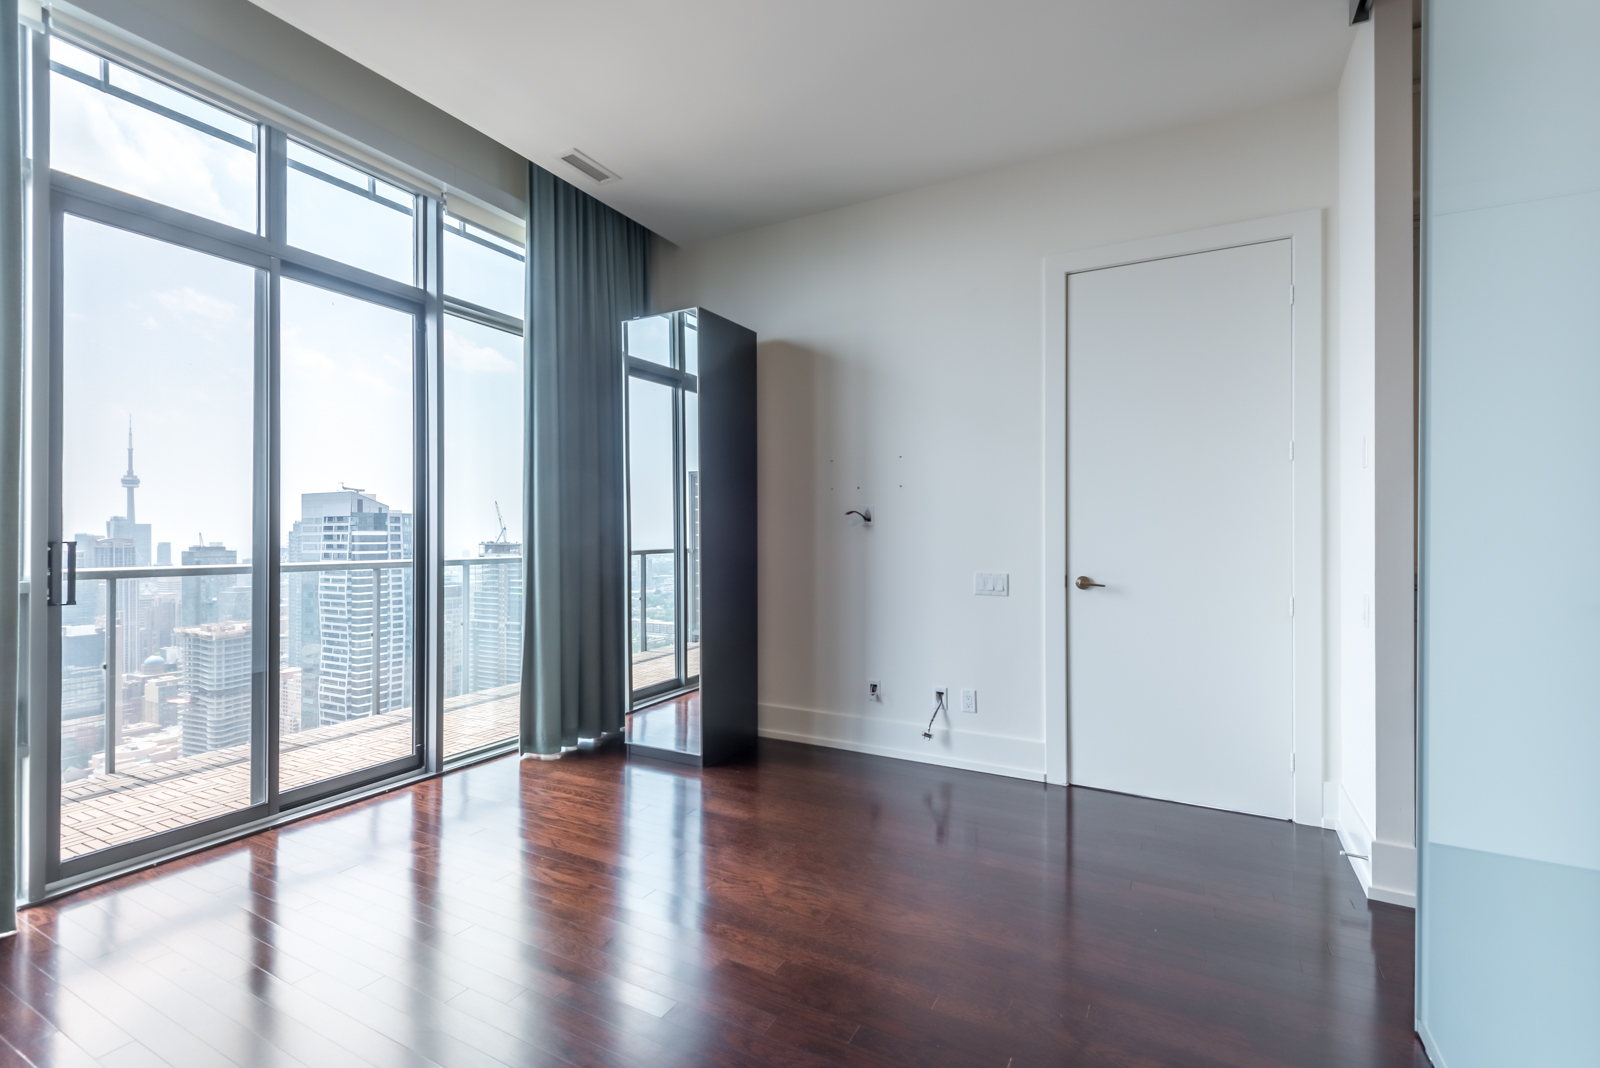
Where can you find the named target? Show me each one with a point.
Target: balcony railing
(96, 810)
(468, 646)
(640, 626)
(114, 576)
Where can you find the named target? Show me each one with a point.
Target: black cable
(938, 706)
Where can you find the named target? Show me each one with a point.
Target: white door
(1178, 496)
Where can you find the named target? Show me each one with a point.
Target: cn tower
(130, 481)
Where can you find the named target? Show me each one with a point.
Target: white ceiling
(720, 115)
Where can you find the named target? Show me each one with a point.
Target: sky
(165, 336)
(650, 481)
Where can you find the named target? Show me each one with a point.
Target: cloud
(462, 355)
(193, 302)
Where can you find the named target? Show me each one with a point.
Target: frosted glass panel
(1509, 911)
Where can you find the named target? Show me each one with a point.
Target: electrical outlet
(874, 690)
(969, 700)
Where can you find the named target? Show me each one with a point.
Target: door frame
(682, 383)
(1303, 230)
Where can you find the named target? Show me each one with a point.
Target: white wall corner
(1330, 806)
(1355, 837)
(1389, 872)
(1394, 461)
(1394, 873)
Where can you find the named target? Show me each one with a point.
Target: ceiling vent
(588, 166)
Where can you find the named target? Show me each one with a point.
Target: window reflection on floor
(664, 835)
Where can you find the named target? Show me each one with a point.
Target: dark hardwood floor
(811, 907)
(672, 725)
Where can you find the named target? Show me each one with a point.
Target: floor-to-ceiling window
(276, 468)
(483, 476)
(663, 504)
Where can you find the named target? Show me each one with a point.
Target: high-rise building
(360, 621)
(107, 551)
(139, 702)
(290, 701)
(158, 691)
(455, 676)
(300, 642)
(494, 633)
(203, 595)
(158, 617)
(215, 666)
(135, 534)
(83, 676)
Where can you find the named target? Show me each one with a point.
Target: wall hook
(865, 514)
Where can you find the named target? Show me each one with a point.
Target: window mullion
(274, 224)
(429, 522)
(275, 186)
(265, 578)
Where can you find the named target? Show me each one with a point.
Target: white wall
(1372, 802)
(1394, 612)
(1354, 801)
(901, 362)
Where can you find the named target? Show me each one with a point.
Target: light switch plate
(991, 584)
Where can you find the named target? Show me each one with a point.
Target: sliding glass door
(483, 602)
(157, 445)
(663, 505)
(249, 380)
(345, 506)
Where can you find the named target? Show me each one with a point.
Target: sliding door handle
(61, 573)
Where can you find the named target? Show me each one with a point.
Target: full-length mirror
(691, 536)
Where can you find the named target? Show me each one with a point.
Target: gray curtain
(11, 406)
(587, 271)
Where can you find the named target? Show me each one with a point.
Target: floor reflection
(673, 725)
(664, 840)
(423, 948)
(809, 907)
(263, 926)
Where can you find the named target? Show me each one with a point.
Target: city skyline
(121, 528)
(165, 336)
(184, 661)
(159, 364)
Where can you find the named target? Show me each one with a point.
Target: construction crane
(498, 518)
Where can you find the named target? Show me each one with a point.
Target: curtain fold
(587, 271)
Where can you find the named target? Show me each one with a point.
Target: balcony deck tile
(145, 799)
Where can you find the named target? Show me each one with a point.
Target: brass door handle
(1085, 582)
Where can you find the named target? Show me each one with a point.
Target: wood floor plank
(808, 907)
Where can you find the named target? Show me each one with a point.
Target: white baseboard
(1429, 1044)
(1394, 873)
(1017, 758)
(1390, 872)
(1392, 897)
(1354, 837)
